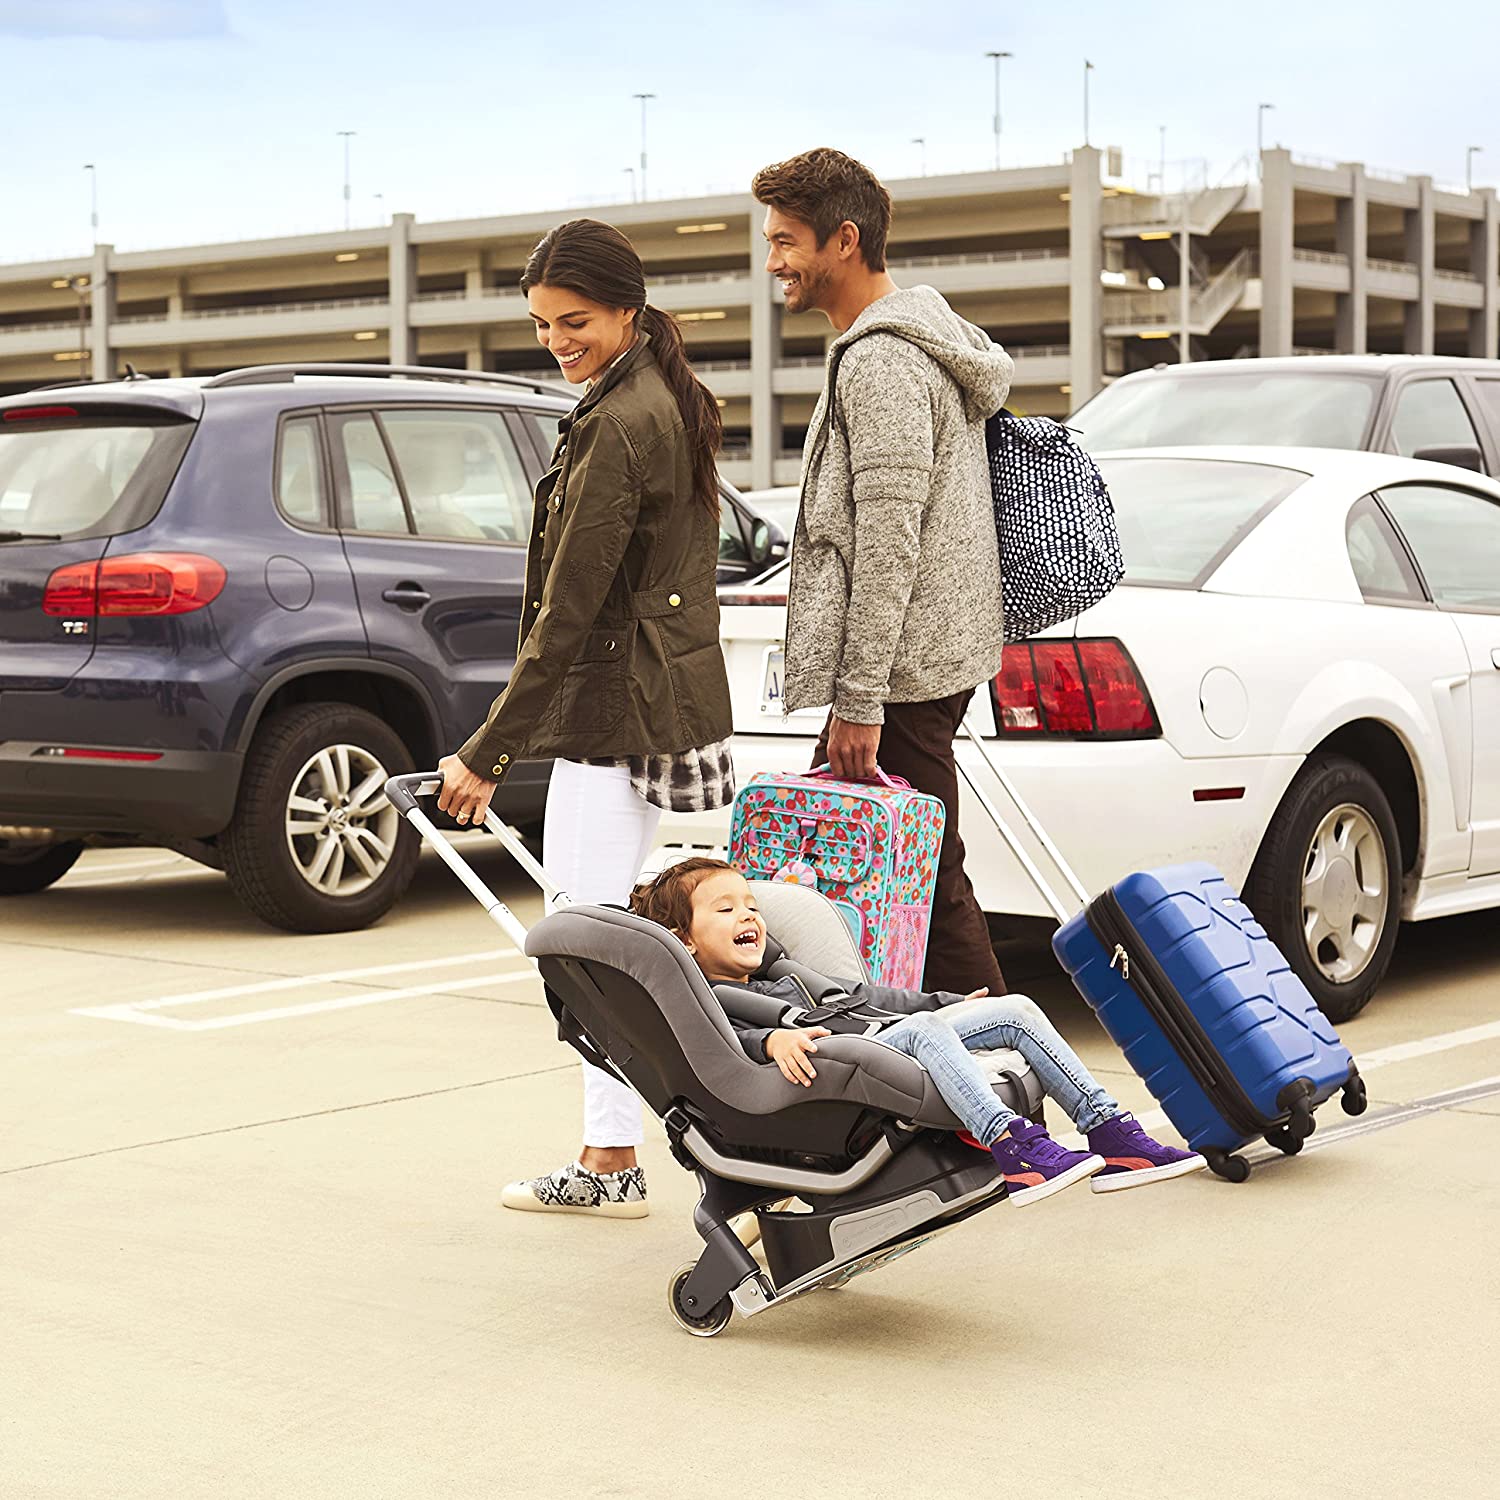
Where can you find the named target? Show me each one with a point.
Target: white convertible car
(1299, 681)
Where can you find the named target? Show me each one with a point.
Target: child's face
(727, 936)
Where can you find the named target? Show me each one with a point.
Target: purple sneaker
(1035, 1166)
(1132, 1158)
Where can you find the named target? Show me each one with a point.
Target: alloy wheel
(1345, 891)
(340, 825)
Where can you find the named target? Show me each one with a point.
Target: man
(893, 612)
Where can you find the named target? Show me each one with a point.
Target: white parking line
(146, 1012)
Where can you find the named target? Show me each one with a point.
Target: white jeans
(598, 833)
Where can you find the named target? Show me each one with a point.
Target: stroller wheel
(704, 1324)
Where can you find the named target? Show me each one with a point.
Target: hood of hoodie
(919, 314)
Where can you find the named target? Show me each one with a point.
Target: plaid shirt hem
(685, 781)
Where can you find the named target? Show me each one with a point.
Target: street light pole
(645, 99)
(1260, 133)
(997, 58)
(80, 285)
(346, 134)
(921, 140)
(88, 167)
(1469, 154)
(630, 173)
(1161, 175)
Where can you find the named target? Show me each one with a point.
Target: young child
(710, 906)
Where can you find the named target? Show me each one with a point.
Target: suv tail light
(141, 583)
(1087, 689)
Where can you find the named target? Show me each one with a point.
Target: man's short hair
(823, 188)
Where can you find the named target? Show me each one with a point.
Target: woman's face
(583, 336)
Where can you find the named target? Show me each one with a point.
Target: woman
(619, 673)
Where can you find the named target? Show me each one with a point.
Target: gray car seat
(869, 1146)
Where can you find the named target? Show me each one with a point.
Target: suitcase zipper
(1140, 968)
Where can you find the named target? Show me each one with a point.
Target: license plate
(773, 681)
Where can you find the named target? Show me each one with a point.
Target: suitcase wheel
(1300, 1120)
(1230, 1168)
(1355, 1099)
(1282, 1138)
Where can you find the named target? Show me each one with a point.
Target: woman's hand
(789, 1049)
(977, 994)
(465, 796)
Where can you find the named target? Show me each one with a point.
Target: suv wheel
(25, 868)
(1327, 883)
(315, 845)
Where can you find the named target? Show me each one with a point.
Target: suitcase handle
(405, 792)
(896, 783)
(1040, 881)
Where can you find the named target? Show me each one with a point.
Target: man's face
(805, 272)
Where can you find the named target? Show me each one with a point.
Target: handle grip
(896, 783)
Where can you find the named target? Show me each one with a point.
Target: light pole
(1260, 133)
(346, 135)
(921, 140)
(1470, 152)
(88, 167)
(1161, 174)
(645, 99)
(1088, 68)
(997, 58)
(80, 285)
(630, 173)
(379, 200)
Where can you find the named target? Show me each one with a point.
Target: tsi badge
(75, 627)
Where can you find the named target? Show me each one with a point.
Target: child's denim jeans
(941, 1040)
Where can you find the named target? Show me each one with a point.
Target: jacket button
(497, 770)
(609, 645)
(674, 600)
(536, 603)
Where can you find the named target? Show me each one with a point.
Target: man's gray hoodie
(895, 578)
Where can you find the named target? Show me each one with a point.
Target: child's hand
(789, 1049)
(978, 994)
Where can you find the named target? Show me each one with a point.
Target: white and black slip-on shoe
(574, 1189)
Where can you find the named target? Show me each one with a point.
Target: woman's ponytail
(700, 411)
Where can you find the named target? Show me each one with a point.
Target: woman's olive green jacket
(619, 651)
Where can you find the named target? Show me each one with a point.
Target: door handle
(407, 595)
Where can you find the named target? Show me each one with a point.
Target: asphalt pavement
(250, 1245)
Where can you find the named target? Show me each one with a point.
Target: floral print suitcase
(870, 847)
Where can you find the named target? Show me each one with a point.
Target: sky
(210, 120)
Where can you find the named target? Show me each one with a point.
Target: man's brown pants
(916, 743)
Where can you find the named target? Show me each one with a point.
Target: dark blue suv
(231, 607)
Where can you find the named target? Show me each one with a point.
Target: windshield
(1257, 408)
(80, 477)
(1180, 518)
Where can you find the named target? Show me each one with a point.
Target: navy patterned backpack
(1059, 545)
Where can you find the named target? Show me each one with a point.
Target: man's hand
(464, 795)
(789, 1049)
(852, 749)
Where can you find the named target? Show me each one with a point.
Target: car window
(732, 548)
(77, 476)
(1230, 406)
(1489, 396)
(299, 473)
(546, 424)
(461, 472)
(1431, 414)
(1455, 536)
(1381, 567)
(1179, 518)
(374, 496)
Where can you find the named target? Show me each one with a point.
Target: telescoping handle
(404, 792)
(1048, 891)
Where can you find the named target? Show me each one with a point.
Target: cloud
(118, 20)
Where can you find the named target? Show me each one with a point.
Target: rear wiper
(29, 536)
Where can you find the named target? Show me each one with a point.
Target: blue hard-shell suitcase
(1200, 1000)
(1208, 1012)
